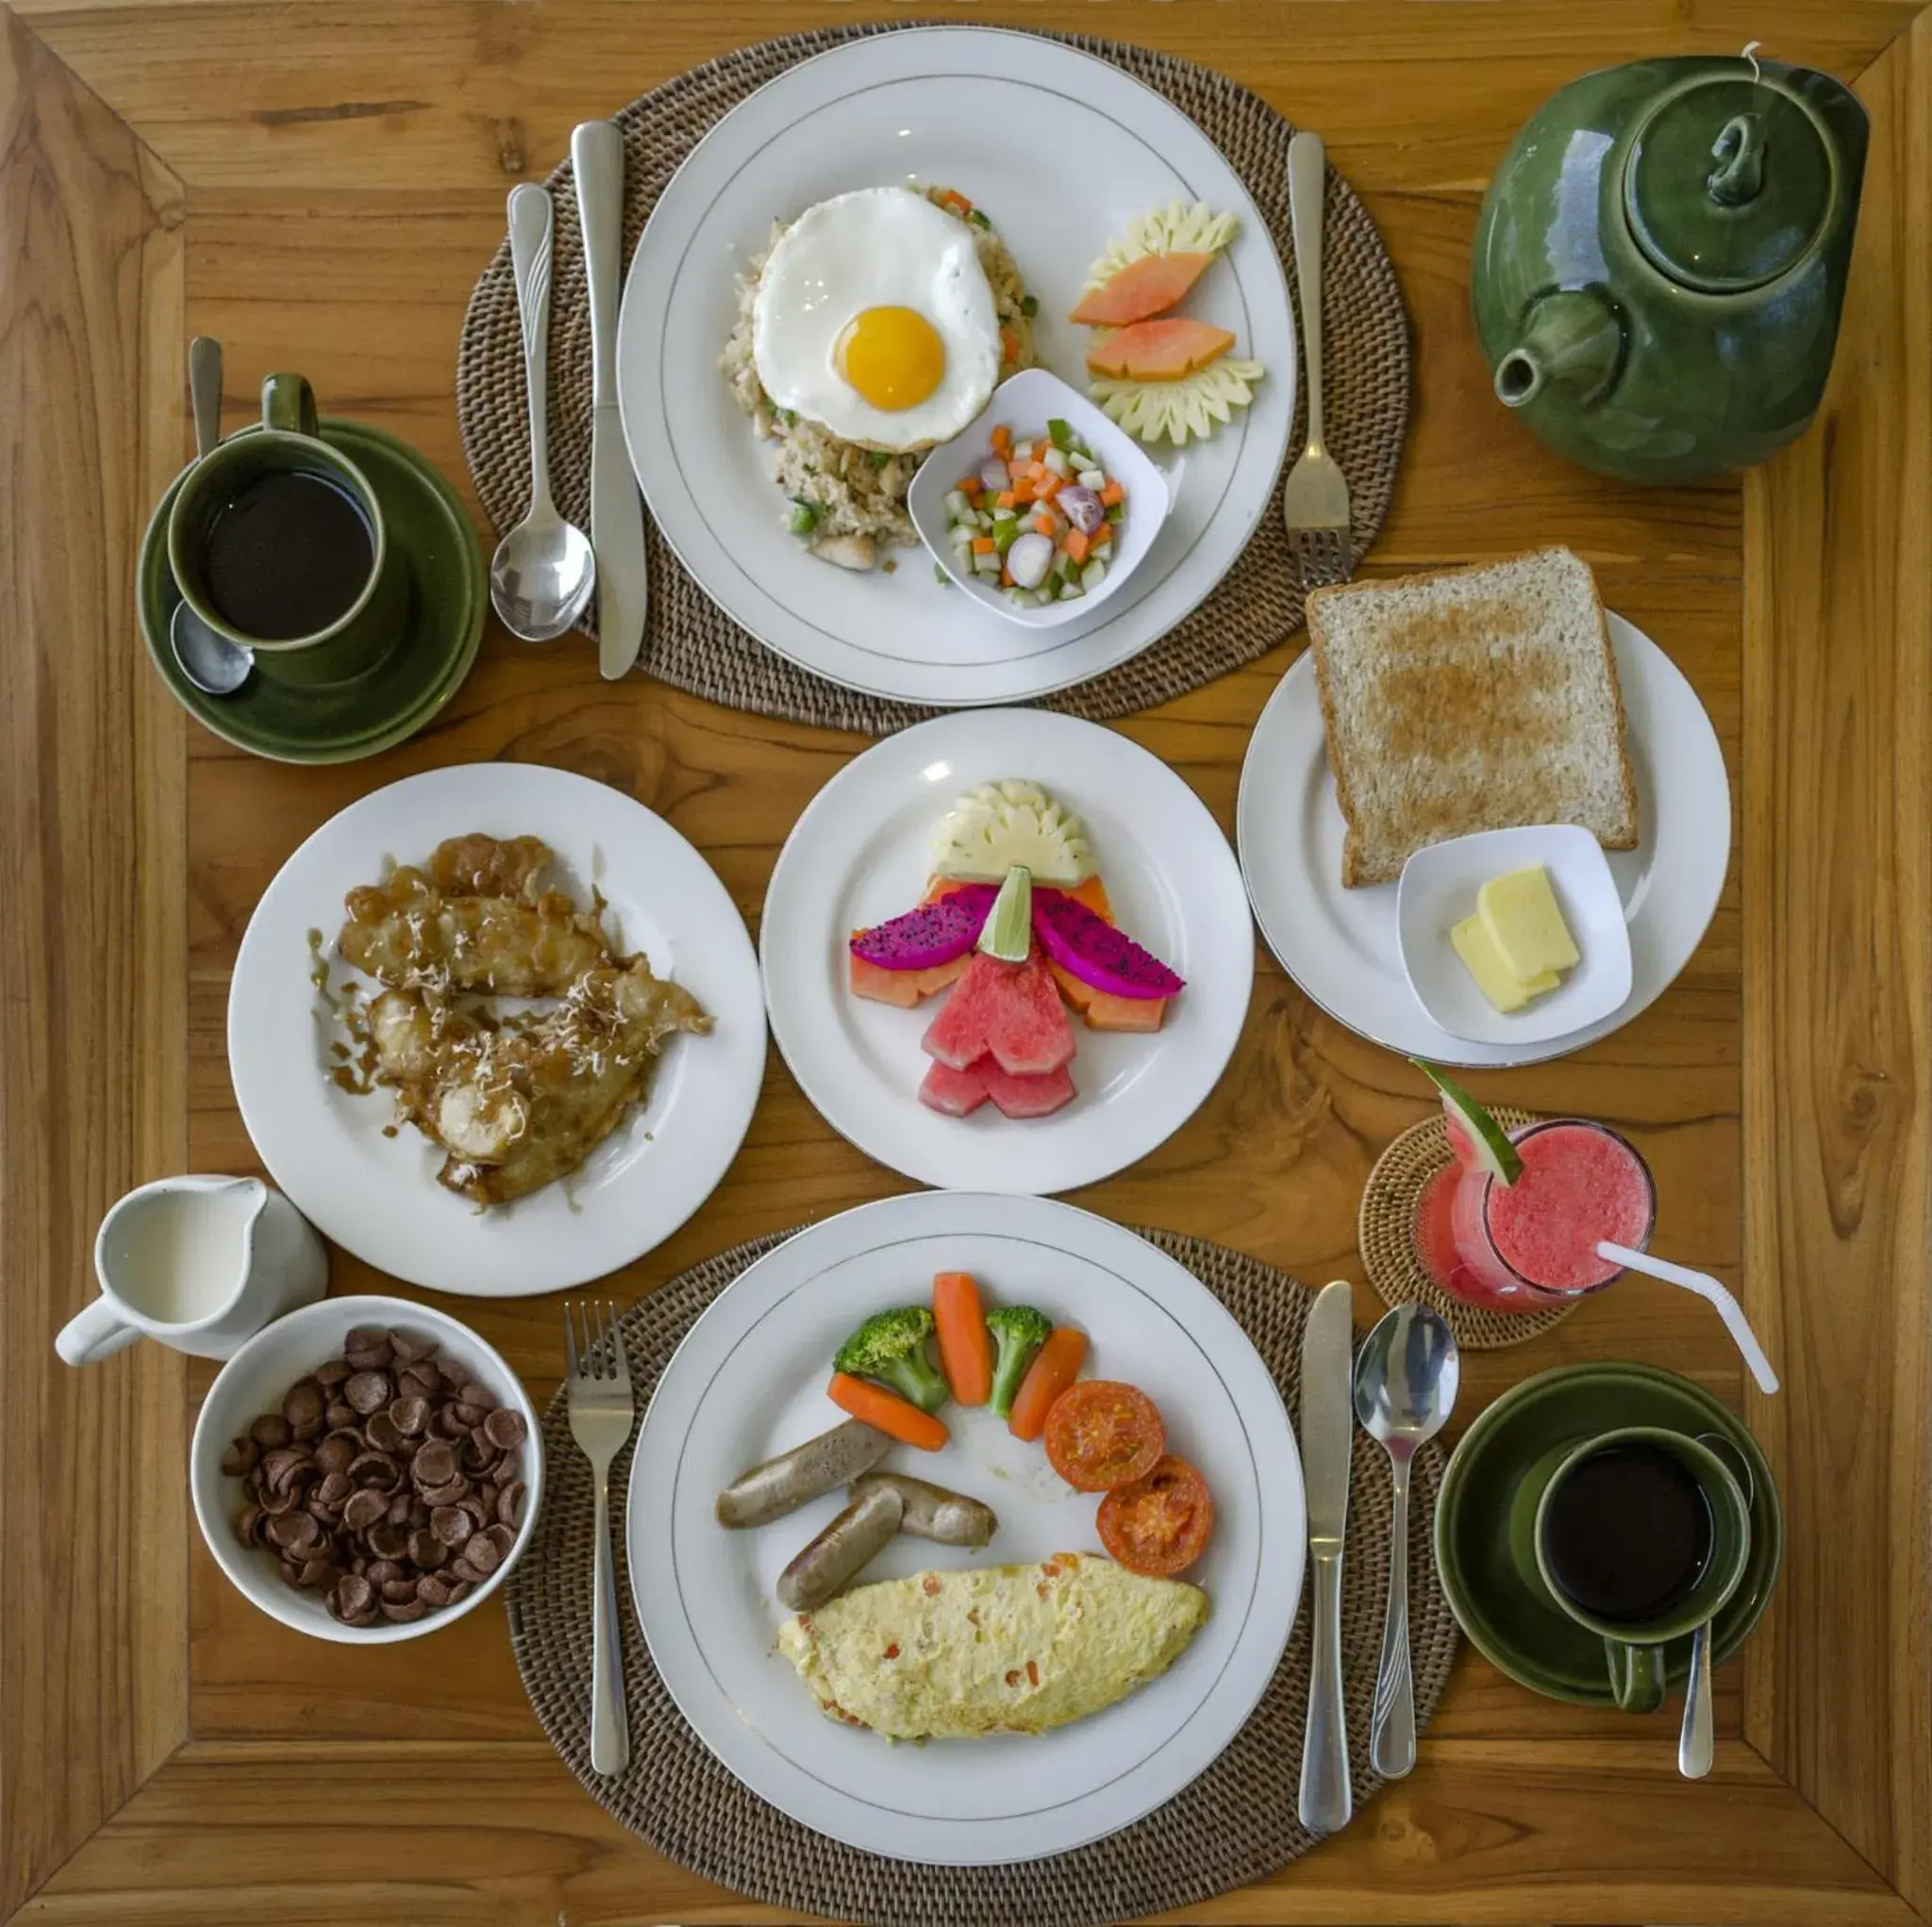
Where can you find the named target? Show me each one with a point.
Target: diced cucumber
(1093, 575)
(986, 564)
(940, 575)
(1117, 512)
(1090, 478)
(1005, 533)
(1070, 591)
(1057, 460)
(961, 538)
(1023, 451)
(1061, 435)
(956, 504)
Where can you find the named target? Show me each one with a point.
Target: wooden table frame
(319, 186)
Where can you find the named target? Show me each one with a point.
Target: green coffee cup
(347, 605)
(1635, 1642)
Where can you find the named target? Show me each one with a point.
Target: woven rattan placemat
(1384, 1232)
(693, 645)
(1235, 1824)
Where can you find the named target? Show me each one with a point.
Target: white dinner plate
(862, 852)
(749, 1381)
(926, 105)
(377, 1196)
(1342, 946)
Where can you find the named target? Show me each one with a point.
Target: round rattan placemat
(1384, 1232)
(1235, 1824)
(690, 643)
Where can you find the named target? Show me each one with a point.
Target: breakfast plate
(861, 853)
(749, 1381)
(370, 1182)
(1343, 946)
(917, 106)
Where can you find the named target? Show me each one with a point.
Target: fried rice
(857, 492)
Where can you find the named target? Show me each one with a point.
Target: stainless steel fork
(1315, 503)
(601, 1416)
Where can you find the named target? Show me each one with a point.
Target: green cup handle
(287, 403)
(1637, 1675)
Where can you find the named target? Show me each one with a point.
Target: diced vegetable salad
(1038, 517)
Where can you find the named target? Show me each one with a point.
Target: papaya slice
(1162, 350)
(1100, 1011)
(1150, 286)
(906, 989)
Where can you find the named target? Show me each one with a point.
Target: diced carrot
(1009, 348)
(1002, 441)
(958, 201)
(965, 1344)
(1076, 546)
(1102, 536)
(1022, 489)
(1042, 525)
(1005, 576)
(1005, 499)
(1048, 486)
(973, 488)
(983, 545)
(1052, 1371)
(887, 1412)
(1112, 493)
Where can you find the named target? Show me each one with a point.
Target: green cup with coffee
(277, 543)
(1640, 1536)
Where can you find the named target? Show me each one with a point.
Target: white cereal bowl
(1438, 888)
(256, 1379)
(1024, 403)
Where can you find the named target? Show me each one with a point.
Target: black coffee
(1628, 1534)
(287, 556)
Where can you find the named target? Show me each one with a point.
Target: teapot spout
(1573, 343)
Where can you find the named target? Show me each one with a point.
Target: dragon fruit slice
(1094, 950)
(932, 935)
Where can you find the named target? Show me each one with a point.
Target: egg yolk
(893, 355)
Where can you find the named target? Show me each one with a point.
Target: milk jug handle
(94, 1333)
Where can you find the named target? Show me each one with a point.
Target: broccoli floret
(1019, 1331)
(890, 1347)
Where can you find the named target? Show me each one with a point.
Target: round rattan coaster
(1234, 1824)
(691, 644)
(1386, 1234)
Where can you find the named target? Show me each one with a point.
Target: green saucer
(341, 721)
(1514, 1624)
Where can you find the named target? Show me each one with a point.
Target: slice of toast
(1478, 699)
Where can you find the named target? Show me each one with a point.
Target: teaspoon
(213, 664)
(545, 569)
(1406, 1380)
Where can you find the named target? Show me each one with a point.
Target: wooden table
(319, 186)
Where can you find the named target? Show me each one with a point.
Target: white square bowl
(1024, 403)
(256, 1379)
(1439, 889)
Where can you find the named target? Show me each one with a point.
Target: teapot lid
(1727, 183)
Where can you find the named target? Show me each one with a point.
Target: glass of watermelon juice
(1532, 1244)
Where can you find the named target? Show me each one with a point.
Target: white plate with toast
(1342, 946)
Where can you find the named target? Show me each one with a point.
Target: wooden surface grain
(319, 187)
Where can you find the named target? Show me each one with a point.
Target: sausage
(841, 1550)
(931, 1512)
(797, 1477)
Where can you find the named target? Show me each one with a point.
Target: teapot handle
(1739, 150)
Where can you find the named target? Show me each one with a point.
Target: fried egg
(873, 318)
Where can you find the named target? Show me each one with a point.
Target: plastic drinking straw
(1708, 1288)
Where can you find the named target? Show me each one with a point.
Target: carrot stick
(1054, 1369)
(887, 1412)
(1112, 492)
(965, 1344)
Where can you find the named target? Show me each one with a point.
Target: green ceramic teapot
(1661, 262)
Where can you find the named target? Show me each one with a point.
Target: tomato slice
(1100, 1433)
(1158, 1525)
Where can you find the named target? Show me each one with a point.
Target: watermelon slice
(960, 1093)
(1013, 1010)
(1150, 286)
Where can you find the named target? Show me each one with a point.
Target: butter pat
(1493, 977)
(1523, 922)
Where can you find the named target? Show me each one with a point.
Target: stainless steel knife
(617, 513)
(1327, 1432)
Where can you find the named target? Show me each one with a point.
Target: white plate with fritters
(1343, 946)
(924, 105)
(376, 1194)
(862, 852)
(749, 1381)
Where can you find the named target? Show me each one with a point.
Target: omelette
(1003, 1649)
